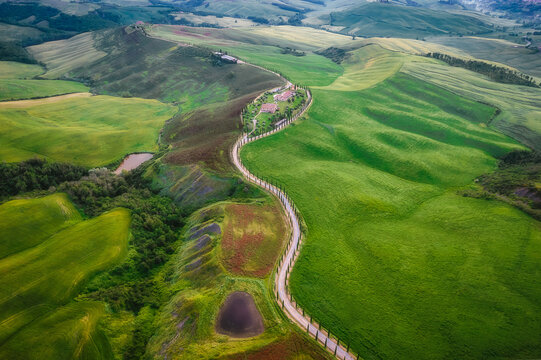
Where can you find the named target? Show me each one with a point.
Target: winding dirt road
(283, 297)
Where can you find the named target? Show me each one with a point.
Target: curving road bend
(287, 262)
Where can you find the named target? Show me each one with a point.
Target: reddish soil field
(252, 240)
(290, 348)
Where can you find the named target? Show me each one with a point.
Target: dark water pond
(239, 316)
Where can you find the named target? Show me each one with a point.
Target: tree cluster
(291, 51)
(156, 220)
(36, 174)
(494, 72)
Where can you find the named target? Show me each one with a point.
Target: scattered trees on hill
(494, 72)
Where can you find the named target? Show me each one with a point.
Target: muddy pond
(132, 161)
(239, 316)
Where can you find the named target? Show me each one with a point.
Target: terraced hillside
(375, 174)
(46, 258)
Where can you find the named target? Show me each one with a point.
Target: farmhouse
(226, 58)
(229, 59)
(269, 108)
(286, 95)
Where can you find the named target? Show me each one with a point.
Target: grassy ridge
(41, 278)
(26, 223)
(90, 131)
(259, 47)
(395, 262)
(310, 69)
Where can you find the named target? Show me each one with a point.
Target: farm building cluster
(271, 108)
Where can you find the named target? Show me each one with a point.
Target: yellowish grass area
(21, 104)
(63, 56)
(224, 21)
(303, 35)
(367, 67)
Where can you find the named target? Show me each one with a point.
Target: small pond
(132, 161)
(239, 316)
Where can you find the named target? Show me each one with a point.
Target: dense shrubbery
(35, 174)
(496, 73)
(11, 51)
(294, 52)
(258, 20)
(518, 169)
(335, 54)
(515, 181)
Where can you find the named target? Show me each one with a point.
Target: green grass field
(28, 222)
(16, 83)
(71, 333)
(17, 70)
(89, 131)
(52, 266)
(367, 67)
(15, 89)
(395, 262)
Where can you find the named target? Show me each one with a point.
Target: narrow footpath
(286, 263)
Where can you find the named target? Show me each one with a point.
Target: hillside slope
(395, 261)
(376, 19)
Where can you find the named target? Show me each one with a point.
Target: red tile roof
(269, 108)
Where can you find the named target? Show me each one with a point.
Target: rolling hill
(377, 19)
(82, 129)
(395, 261)
(55, 254)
